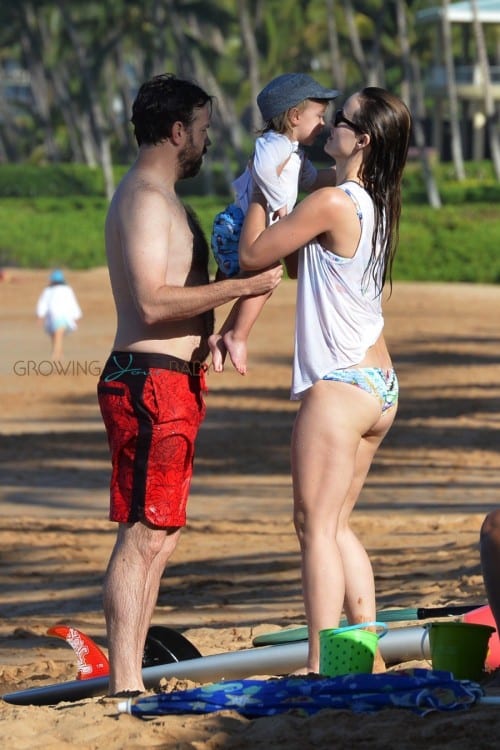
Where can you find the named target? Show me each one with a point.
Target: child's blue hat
(287, 91)
(57, 277)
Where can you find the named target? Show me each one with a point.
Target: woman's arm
(260, 247)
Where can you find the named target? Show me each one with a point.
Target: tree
(252, 56)
(489, 102)
(32, 45)
(456, 138)
(337, 64)
(86, 60)
(96, 116)
(415, 98)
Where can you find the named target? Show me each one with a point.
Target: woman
(342, 370)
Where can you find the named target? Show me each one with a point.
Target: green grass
(54, 216)
(58, 180)
(455, 243)
(46, 232)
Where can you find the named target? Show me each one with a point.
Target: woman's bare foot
(218, 351)
(379, 664)
(303, 672)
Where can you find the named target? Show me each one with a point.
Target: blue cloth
(225, 239)
(419, 690)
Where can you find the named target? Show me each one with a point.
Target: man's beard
(190, 160)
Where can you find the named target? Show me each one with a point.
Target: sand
(235, 573)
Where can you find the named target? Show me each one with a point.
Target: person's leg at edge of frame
(325, 445)
(490, 561)
(130, 593)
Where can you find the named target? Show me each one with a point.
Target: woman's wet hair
(387, 120)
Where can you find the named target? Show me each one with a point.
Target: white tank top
(339, 310)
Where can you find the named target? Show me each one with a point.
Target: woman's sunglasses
(339, 117)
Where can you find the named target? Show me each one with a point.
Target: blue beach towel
(419, 690)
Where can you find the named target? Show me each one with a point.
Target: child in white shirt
(293, 106)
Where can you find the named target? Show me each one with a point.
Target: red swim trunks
(152, 406)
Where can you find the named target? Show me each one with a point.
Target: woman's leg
(360, 602)
(336, 434)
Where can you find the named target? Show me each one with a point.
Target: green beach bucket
(348, 650)
(459, 647)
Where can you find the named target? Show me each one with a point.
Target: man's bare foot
(237, 350)
(218, 351)
(127, 694)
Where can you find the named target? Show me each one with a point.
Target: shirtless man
(151, 388)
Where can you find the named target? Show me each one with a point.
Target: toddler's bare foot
(237, 351)
(218, 351)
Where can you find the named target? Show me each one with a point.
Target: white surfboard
(396, 646)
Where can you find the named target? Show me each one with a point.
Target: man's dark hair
(160, 102)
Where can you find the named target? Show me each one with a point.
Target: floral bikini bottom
(383, 384)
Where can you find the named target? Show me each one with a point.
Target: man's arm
(180, 303)
(322, 211)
